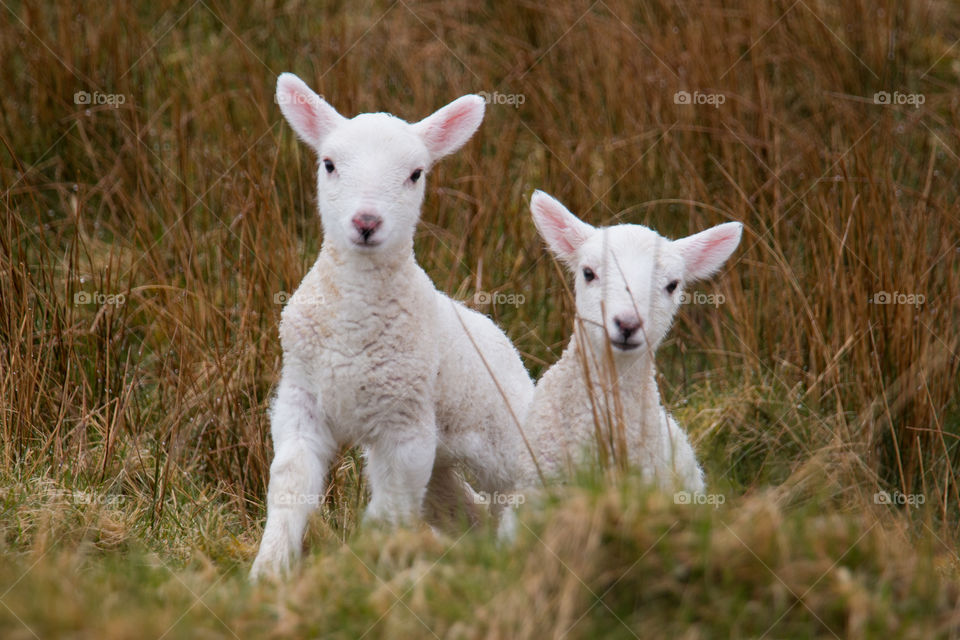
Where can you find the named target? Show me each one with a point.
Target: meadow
(157, 211)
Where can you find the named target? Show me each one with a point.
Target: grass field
(156, 209)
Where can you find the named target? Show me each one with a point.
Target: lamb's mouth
(365, 243)
(624, 346)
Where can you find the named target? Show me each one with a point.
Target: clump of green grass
(590, 561)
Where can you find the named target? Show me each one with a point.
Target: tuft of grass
(146, 237)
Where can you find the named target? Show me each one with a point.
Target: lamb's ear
(309, 115)
(705, 252)
(563, 231)
(449, 128)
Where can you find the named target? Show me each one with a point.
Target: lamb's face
(628, 277)
(370, 183)
(628, 285)
(372, 167)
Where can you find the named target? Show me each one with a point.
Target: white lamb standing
(373, 354)
(629, 281)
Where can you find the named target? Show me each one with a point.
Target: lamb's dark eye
(416, 175)
(673, 286)
(328, 165)
(588, 274)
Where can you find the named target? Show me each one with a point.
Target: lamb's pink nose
(366, 223)
(628, 325)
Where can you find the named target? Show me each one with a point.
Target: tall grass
(193, 204)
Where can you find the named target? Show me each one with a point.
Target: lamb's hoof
(270, 566)
(260, 572)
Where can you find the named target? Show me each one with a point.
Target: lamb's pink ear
(705, 252)
(563, 231)
(449, 128)
(309, 115)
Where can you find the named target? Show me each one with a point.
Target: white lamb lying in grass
(373, 354)
(602, 391)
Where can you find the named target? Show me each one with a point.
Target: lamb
(629, 282)
(373, 354)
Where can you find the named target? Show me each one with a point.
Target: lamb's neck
(631, 374)
(579, 388)
(372, 272)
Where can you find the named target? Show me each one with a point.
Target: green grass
(594, 561)
(134, 443)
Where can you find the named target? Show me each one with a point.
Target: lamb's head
(629, 278)
(370, 179)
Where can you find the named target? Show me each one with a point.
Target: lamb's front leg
(303, 452)
(399, 464)
(686, 471)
